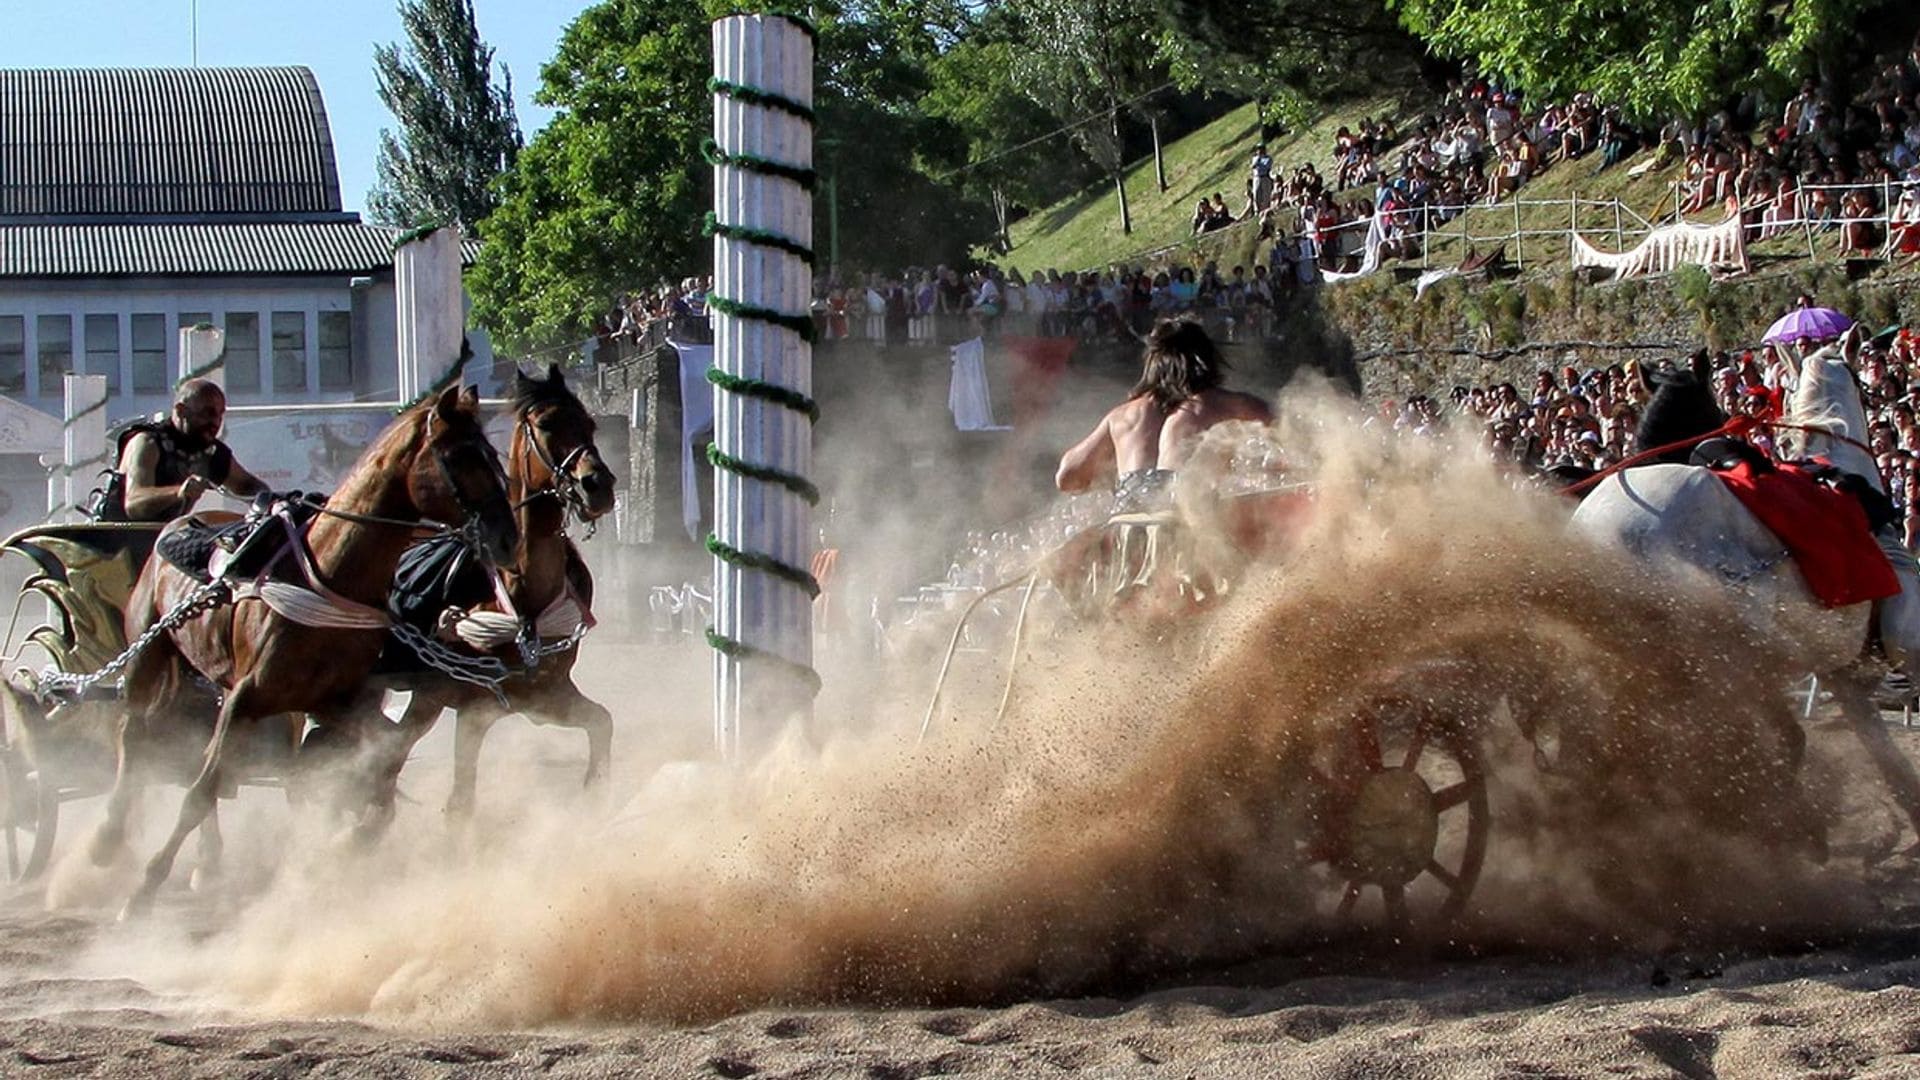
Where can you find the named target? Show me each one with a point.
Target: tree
(1090, 57)
(608, 197)
(1283, 53)
(458, 131)
(1654, 58)
(999, 144)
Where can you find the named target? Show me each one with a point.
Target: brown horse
(553, 470)
(433, 464)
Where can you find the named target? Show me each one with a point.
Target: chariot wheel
(1405, 817)
(26, 805)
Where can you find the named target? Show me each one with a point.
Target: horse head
(455, 474)
(1682, 407)
(553, 448)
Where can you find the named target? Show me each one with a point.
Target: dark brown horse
(432, 465)
(554, 470)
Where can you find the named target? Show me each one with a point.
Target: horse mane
(1682, 408)
(381, 459)
(527, 394)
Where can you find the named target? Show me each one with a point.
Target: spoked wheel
(26, 806)
(1407, 817)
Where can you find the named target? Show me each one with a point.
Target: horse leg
(201, 797)
(212, 847)
(110, 838)
(391, 749)
(1856, 703)
(565, 706)
(470, 727)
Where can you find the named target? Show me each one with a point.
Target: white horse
(1686, 514)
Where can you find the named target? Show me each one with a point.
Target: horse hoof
(203, 878)
(137, 908)
(106, 849)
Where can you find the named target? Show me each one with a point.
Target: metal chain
(202, 600)
(482, 671)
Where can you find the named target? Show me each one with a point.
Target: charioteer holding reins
(167, 462)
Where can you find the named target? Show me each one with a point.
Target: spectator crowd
(1573, 419)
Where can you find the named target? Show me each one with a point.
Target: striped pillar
(83, 444)
(762, 153)
(430, 316)
(203, 354)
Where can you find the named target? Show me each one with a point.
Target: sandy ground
(1840, 1004)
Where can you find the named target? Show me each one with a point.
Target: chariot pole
(431, 309)
(203, 354)
(83, 441)
(762, 226)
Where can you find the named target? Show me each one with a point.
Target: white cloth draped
(696, 414)
(967, 394)
(1716, 247)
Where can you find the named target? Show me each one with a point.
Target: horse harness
(562, 485)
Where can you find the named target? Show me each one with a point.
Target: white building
(137, 202)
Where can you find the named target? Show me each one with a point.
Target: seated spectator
(1906, 221)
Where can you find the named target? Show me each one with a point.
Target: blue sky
(335, 38)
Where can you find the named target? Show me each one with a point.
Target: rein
(1738, 425)
(562, 484)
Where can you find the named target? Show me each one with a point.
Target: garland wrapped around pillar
(762, 226)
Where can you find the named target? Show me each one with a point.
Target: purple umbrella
(1812, 323)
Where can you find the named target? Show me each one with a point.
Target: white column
(430, 317)
(203, 354)
(757, 693)
(83, 448)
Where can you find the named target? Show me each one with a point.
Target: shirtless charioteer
(1146, 437)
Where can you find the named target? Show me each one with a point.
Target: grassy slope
(1084, 231)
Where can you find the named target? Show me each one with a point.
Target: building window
(336, 350)
(243, 352)
(103, 349)
(55, 333)
(289, 351)
(13, 353)
(150, 354)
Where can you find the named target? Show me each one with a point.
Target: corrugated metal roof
(40, 251)
(126, 142)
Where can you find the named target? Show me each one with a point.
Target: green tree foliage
(1086, 61)
(999, 146)
(457, 129)
(1654, 57)
(1283, 53)
(608, 197)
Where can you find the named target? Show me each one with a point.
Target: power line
(944, 177)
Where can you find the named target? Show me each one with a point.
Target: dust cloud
(1154, 801)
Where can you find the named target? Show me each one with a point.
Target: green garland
(766, 391)
(759, 389)
(448, 378)
(763, 237)
(726, 552)
(793, 482)
(805, 177)
(763, 98)
(740, 650)
(84, 413)
(799, 324)
(418, 232)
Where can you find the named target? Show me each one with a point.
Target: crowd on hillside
(1586, 420)
(1836, 163)
(1388, 186)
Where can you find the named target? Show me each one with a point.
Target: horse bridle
(564, 485)
(470, 528)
